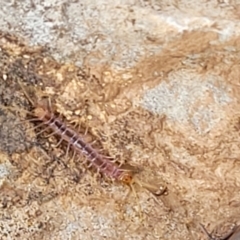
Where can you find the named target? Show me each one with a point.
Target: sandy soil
(158, 87)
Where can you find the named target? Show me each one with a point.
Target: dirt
(196, 156)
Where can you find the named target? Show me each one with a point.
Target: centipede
(75, 141)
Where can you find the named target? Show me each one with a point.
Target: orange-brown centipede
(75, 141)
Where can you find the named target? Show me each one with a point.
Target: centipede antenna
(26, 94)
(26, 121)
(14, 109)
(29, 120)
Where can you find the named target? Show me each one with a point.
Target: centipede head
(40, 112)
(126, 177)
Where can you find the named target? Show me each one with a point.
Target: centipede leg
(59, 142)
(28, 120)
(92, 143)
(86, 131)
(91, 163)
(38, 126)
(74, 155)
(52, 134)
(67, 151)
(47, 123)
(70, 144)
(59, 130)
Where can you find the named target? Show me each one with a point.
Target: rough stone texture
(189, 98)
(156, 82)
